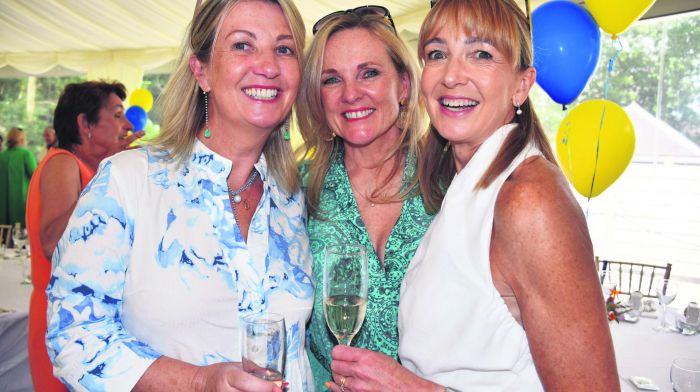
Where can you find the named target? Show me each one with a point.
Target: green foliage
(636, 73)
(14, 109)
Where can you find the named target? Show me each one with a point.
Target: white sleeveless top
(454, 327)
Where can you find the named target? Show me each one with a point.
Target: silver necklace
(236, 195)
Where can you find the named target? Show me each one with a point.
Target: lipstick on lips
(358, 114)
(262, 93)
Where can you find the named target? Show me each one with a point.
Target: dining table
(14, 324)
(642, 351)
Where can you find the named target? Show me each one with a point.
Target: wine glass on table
(20, 238)
(685, 375)
(265, 346)
(666, 292)
(345, 281)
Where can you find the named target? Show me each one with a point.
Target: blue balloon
(137, 117)
(566, 41)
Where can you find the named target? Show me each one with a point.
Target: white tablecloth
(642, 351)
(14, 327)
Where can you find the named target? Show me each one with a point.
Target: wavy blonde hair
(321, 146)
(183, 101)
(502, 23)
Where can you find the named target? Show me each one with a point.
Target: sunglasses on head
(360, 11)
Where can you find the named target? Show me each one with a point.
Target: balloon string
(609, 70)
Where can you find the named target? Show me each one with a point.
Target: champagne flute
(685, 375)
(666, 291)
(345, 281)
(265, 346)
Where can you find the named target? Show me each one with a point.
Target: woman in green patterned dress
(363, 126)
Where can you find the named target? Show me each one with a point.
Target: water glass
(685, 375)
(265, 346)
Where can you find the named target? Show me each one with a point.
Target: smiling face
(361, 88)
(253, 76)
(469, 87)
(112, 126)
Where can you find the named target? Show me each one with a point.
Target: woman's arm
(59, 190)
(86, 341)
(542, 250)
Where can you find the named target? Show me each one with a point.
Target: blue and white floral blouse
(152, 263)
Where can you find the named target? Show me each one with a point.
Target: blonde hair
(320, 144)
(15, 137)
(183, 100)
(502, 23)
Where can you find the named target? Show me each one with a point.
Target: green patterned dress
(343, 223)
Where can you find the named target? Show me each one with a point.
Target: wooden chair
(633, 277)
(5, 231)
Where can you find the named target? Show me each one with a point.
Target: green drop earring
(207, 132)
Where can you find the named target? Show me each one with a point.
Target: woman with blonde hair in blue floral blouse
(171, 245)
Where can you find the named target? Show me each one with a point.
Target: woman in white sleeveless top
(502, 294)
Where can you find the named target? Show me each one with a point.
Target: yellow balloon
(141, 97)
(593, 155)
(615, 16)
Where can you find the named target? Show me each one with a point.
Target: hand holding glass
(666, 291)
(345, 281)
(265, 346)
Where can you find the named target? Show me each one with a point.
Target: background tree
(655, 57)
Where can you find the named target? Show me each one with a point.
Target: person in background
(502, 293)
(50, 141)
(359, 112)
(17, 164)
(2, 140)
(170, 245)
(91, 125)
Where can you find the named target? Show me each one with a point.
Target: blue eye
(285, 50)
(436, 55)
(330, 80)
(370, 73)
(240, 46)
(482, 54)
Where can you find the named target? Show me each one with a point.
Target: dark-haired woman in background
(91, 126)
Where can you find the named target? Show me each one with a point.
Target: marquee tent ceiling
(44, 37)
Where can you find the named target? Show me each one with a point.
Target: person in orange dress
(90, 125)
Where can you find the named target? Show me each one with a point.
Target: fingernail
(327, 384)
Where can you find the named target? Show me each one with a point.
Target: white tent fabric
(122, 39)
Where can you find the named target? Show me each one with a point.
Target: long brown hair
(321, 146)
(502, 23)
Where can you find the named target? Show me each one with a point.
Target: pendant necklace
(236, 195)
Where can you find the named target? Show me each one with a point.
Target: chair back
(5, 231)
(633, 277)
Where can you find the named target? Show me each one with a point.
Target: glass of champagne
(666, 291)
(345, 281)
(265, 346)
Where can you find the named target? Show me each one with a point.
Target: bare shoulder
(60, 169)
(536, 190)
(538, 220)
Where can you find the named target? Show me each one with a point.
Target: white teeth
(457, 103)
(359, 114)
(261, 93)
